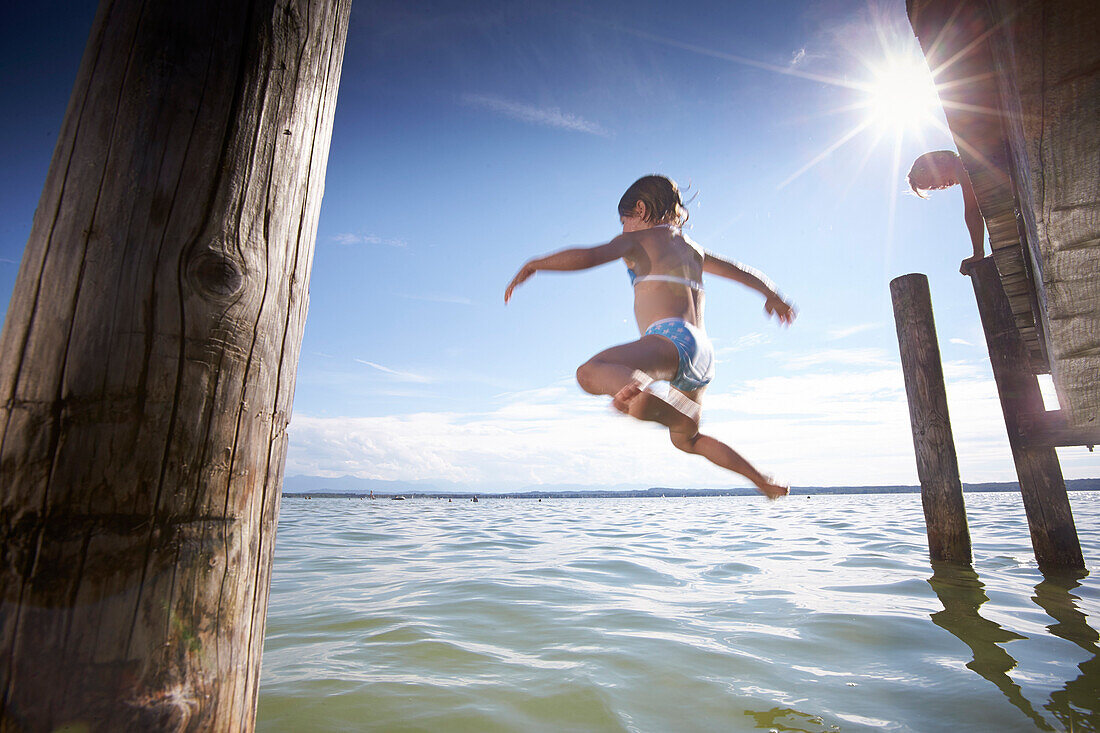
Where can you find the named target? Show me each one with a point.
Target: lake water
(817, 613)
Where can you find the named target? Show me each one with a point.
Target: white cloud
(544, 116)
(403, 376)
(815, 427)
(865, 357)
(960, 342)
(525, 441)
(352, 238)
(797, 57)
(836, 334)
(747, 341)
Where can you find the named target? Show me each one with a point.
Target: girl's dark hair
(661, 199)
(934, 165)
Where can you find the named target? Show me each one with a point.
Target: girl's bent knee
(684, 442)
(586, 377)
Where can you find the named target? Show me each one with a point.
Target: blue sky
(470, 136)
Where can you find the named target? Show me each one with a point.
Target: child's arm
(754, 279)
(975, 224)
(575, 258)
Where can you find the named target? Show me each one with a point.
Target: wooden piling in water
(937, 463)
(1049, 518)
(147, 364)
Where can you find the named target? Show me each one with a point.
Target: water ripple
(672, 614)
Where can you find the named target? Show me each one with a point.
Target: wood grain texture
(1049, 59)
(1024, 109)
(1049, 518)
(933, 443)
(147, 364)
(1051, 429)
(955, 37)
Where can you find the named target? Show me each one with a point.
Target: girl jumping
(666, 268)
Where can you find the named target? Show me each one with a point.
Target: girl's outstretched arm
(774, 305)
(574, 258)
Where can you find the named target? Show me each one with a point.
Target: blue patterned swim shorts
(696, 353)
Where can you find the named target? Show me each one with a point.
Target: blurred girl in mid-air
(666, 269)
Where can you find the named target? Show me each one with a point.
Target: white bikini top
(635, 279)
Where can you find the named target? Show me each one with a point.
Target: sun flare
(901, 95)
(892, 100)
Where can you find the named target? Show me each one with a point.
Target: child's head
(933, 171)
(660, 197)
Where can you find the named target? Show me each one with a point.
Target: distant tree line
(1085, 484)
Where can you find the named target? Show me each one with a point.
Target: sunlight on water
(810, 614)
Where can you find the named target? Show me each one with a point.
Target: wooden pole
(937, 464)
(147, 364)
(1049, 518)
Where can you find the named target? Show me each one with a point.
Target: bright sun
(897, 100)
(901, 95)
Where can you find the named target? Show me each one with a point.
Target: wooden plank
(1051, 428)
(1048, 64)
(955, 36)
(147, 364)
(1049, 518)
(937, 463)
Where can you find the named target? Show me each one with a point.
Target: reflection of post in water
(790, 720)
(1081, 696)
(962, 594)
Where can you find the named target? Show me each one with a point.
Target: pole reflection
(1077, 705)
(962, 594)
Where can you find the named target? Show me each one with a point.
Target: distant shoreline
(1083, 484)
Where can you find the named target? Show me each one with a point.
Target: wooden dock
(1020, 85)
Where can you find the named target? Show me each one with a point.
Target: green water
(807, 614)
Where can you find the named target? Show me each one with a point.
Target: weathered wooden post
(1049, 518)
(147, 364)
(937, 464)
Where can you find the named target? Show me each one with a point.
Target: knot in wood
(214, 275)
